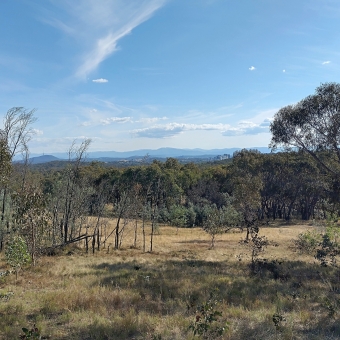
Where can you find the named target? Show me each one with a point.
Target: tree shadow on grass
(127, 328)
(173, 279)
(114, 331)
(326, 328)
(174, 287)
(207, 242)
(287, 330)
(171, 288)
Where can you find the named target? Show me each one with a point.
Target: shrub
(308, 242)
(325, 247)
(208, 321)
(17, 254)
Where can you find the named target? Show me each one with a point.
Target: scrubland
(128, 294)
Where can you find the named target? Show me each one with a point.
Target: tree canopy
(313, 125)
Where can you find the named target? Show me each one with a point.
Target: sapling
(17, 254)
(208, 321)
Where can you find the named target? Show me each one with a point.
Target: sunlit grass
(128, 294)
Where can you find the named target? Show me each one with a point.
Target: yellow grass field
(128, 294)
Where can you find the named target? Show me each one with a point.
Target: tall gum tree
(312, 125)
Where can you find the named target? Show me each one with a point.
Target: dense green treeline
(281, 185)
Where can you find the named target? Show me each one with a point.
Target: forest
(74, 203)
(94, 209)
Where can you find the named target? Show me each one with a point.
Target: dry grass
(128, 294)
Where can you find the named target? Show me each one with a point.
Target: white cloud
(151, 120)
(159, 131)
(100, 80)
(284, 71)
(121, 120)
(173, 129)
(252, 68)
(326, 62)
(248, 128)
(207, 126)
(97, 26)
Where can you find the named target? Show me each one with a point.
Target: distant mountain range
(111, 156)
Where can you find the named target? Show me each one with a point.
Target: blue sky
(135, 74)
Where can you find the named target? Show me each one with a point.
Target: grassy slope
(128, 294)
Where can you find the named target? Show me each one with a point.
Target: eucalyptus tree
(121, 209)
(188, 176)
(172, 192)
(312, 125)
(247, 184)
(220, 220)
(272, 169)
(284, 176)
(154, 181)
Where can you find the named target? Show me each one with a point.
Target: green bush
(308, 242)
(17, 254)
(324, 247)
(208, 323)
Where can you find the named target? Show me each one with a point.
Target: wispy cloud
(252, 68)
(100, 119)
(59, 144)
(100, 80)
(99, 25)
(85, 124)
(326, 62)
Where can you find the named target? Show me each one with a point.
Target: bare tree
(100, 198)
(17, 129)
(16, 134)
(73, 195)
